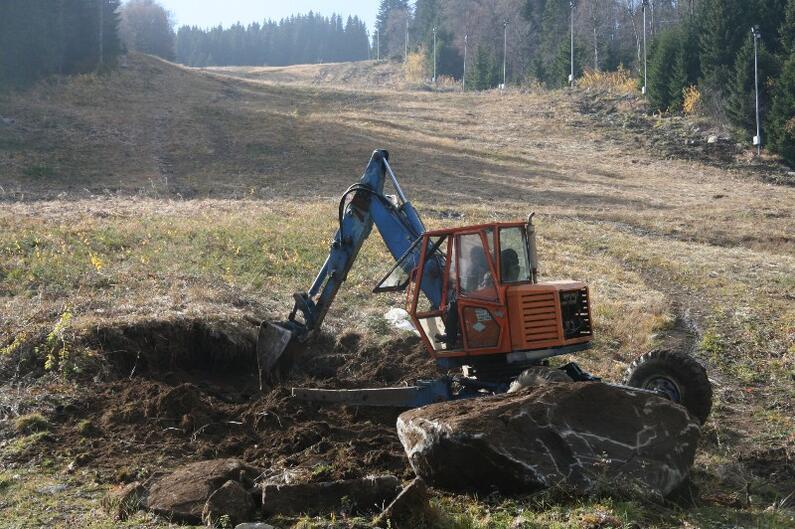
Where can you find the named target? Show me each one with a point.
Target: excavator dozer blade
(272, 340)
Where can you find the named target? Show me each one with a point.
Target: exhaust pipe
(531, 247)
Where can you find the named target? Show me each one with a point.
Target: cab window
(514, 262)
(473, 268)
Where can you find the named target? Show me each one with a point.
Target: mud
(188, 390)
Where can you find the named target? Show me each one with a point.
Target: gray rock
(123, 501)
(254, 526)
(583, 436)
(181, 495)
(356, 495)
(409, 509)
(232, 501)
(712, 139)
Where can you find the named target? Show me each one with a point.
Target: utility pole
(758, 138)
(504, 54)
(571, 75)
(378, 45)
(406, 47)
(101, 33)
(464, 78)
(645, 56)
(435, 29)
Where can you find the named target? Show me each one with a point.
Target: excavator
(474, 296)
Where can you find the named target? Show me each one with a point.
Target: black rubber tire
(684, 371)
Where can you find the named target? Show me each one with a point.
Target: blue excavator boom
(363, 205)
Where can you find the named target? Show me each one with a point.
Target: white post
(645, 60)
(571, 75)
(406, 47)
(758, 137)
(434, 54)
(378, 45)
(464, 78)
(505, 55)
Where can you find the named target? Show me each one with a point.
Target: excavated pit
(187, 390)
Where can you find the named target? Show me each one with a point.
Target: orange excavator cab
(495, 318)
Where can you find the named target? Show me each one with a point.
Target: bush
(414, 70)
(621, 81)
(691, 100)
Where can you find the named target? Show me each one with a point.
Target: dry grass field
(158, 198)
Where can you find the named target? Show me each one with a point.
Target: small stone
(410, 507)
(359, 495)
(712, 139)
(181, 495)
(123, 501)
(258, 525)
(232, 501)
(52, 489)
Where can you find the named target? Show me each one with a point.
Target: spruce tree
(723, 28)
(787, 31)
(782, 114)
(741, 101)
(663, 70)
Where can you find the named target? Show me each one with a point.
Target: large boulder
(582, 436)
(181, 495)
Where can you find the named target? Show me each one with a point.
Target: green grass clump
(32, 423)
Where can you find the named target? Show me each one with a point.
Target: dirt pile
(188, 390)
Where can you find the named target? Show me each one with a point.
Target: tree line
(703, 47)
(39, 38)
(299, 39)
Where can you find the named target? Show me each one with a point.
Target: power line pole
(435, 29)
(406, 47)
(101, 33)
(505, 54)
(464, 78)
(378, 45)
(571, 75)
(645, 60)
(758, 137)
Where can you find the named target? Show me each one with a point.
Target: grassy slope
(673, 250)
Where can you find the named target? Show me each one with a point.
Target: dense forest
(300, 39)
(44, 37)
(704, 48)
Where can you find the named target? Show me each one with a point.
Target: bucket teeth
(272, 340)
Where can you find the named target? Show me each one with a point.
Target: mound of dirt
(187, 390)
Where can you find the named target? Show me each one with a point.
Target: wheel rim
(665, 386)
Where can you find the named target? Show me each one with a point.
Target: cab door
(484, 322)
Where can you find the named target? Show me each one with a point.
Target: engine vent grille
(574, 308)
(539, 317)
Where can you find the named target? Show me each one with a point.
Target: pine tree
(723, 28)
(665, 78)
(385, 9)
(787, 30)
(741, 102)
(782, 114)
(483, 74)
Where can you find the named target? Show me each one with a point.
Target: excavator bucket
(272, 340)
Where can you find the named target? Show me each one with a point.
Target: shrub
(620, 81)
(691, 100)
(414, 69)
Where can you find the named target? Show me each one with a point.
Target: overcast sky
(206, 13)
